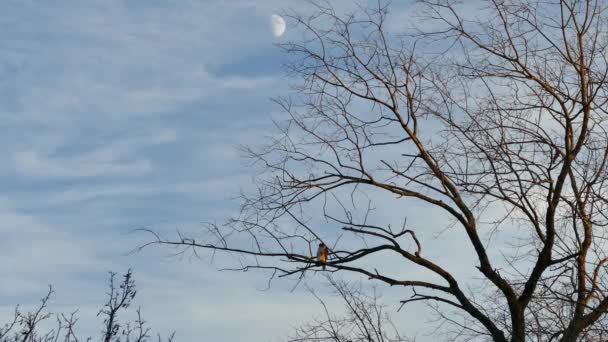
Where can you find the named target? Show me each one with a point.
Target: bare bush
(30, 326)
(365, 318)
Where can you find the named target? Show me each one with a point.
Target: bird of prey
(322, 253)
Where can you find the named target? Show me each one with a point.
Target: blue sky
(118, 115)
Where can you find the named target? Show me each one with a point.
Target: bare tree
(493, 113)
(30, 326)
(365, 318)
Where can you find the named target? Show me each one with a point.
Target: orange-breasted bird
(322, 253)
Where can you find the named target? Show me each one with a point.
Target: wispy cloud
(96, 164)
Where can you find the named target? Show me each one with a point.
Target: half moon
(278, 25)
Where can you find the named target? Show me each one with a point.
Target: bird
(322, 254)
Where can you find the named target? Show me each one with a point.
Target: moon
(278, 25)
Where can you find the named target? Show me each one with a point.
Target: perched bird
(322, 253)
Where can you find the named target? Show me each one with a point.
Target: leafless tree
(365, 318)
(30, 326)
(492, 112)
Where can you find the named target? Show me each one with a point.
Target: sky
(122, 114)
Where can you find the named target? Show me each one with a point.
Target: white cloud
(98, 164)
(33, 251)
